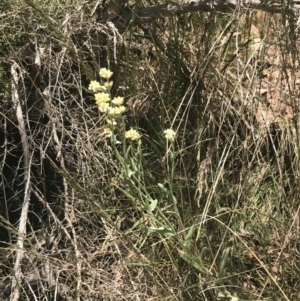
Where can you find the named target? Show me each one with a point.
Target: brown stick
(148, 14)
(15, 293)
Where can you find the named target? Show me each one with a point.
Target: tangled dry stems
(235, 182)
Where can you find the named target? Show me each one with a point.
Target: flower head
(116, 111)
(97, 87)
(102, 97)
(108, 85)
(132, 134)
(107, 132)
(104, 73)
(103, 107)
(118, 101)
(111, 121)
(170, 134)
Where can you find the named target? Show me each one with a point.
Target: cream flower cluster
(170, 135)
(132, 134)
(114, 108)
(102, 95)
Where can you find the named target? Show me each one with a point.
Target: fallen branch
(208, 5)
(149, 14)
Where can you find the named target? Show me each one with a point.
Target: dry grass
(227, 217)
